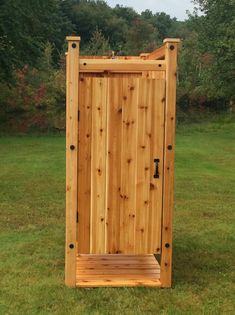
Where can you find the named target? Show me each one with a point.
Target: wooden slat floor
(117, 271)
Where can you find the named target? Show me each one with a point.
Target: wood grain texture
(94, 65)
(158, 53)
(125, 201)
(144, 109)
(127, 119)
(98, 165)
(157, 104)
(114, 148)
(169, 148)
(72, 76)
(84, 164)
(117, 270)
(128, 165)
(150, 146)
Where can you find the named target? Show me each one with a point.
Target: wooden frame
(72, 74)
(94, 65)
(169, 149)
(118, 269)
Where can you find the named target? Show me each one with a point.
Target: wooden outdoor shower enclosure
(120, 138)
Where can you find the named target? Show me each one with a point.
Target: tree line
(32, 46)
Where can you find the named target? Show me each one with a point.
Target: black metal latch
(156, 174)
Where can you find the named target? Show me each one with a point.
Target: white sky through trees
(175, 8)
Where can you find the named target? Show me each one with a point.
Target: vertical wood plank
(157, 102)
(113, 184)
(98, 165)
(128, 165)
(72, 74)
(169, 149)
(84, 165)
(143, 165)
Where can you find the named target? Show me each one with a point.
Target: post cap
(73, 38)
(171, 40)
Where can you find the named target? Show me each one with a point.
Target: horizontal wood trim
(118, 283)
(111, 57)
(73, 38)
(156, 54)
(94, 65)
(99, 266)
(171, 40)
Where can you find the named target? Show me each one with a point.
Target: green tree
(25, 26)
(162, 22)
(126, 13)
(141, 37)
(216, 38)
(97, 45)
(87, 16)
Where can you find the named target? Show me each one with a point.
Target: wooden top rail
(157, 54)
(112, 57)
(100, 65)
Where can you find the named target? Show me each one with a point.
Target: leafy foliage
(40, 95)
(25, 27)
(217, 41)
(97, 45)
(141, 37)
(32, 45)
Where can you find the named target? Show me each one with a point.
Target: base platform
(117, 270)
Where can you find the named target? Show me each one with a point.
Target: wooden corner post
(171, 46)
(72, 74)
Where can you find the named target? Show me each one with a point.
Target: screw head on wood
(74, 45)
(72, 147)
(71, 246)
(172, 47)
(169, 147)
(167, 245)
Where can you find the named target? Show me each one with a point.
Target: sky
(175, 8)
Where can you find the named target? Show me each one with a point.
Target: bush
(36, 100)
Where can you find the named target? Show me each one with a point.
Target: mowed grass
(32, 203)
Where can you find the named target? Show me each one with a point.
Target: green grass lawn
(32, 203)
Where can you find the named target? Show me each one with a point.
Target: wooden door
(121, 131)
